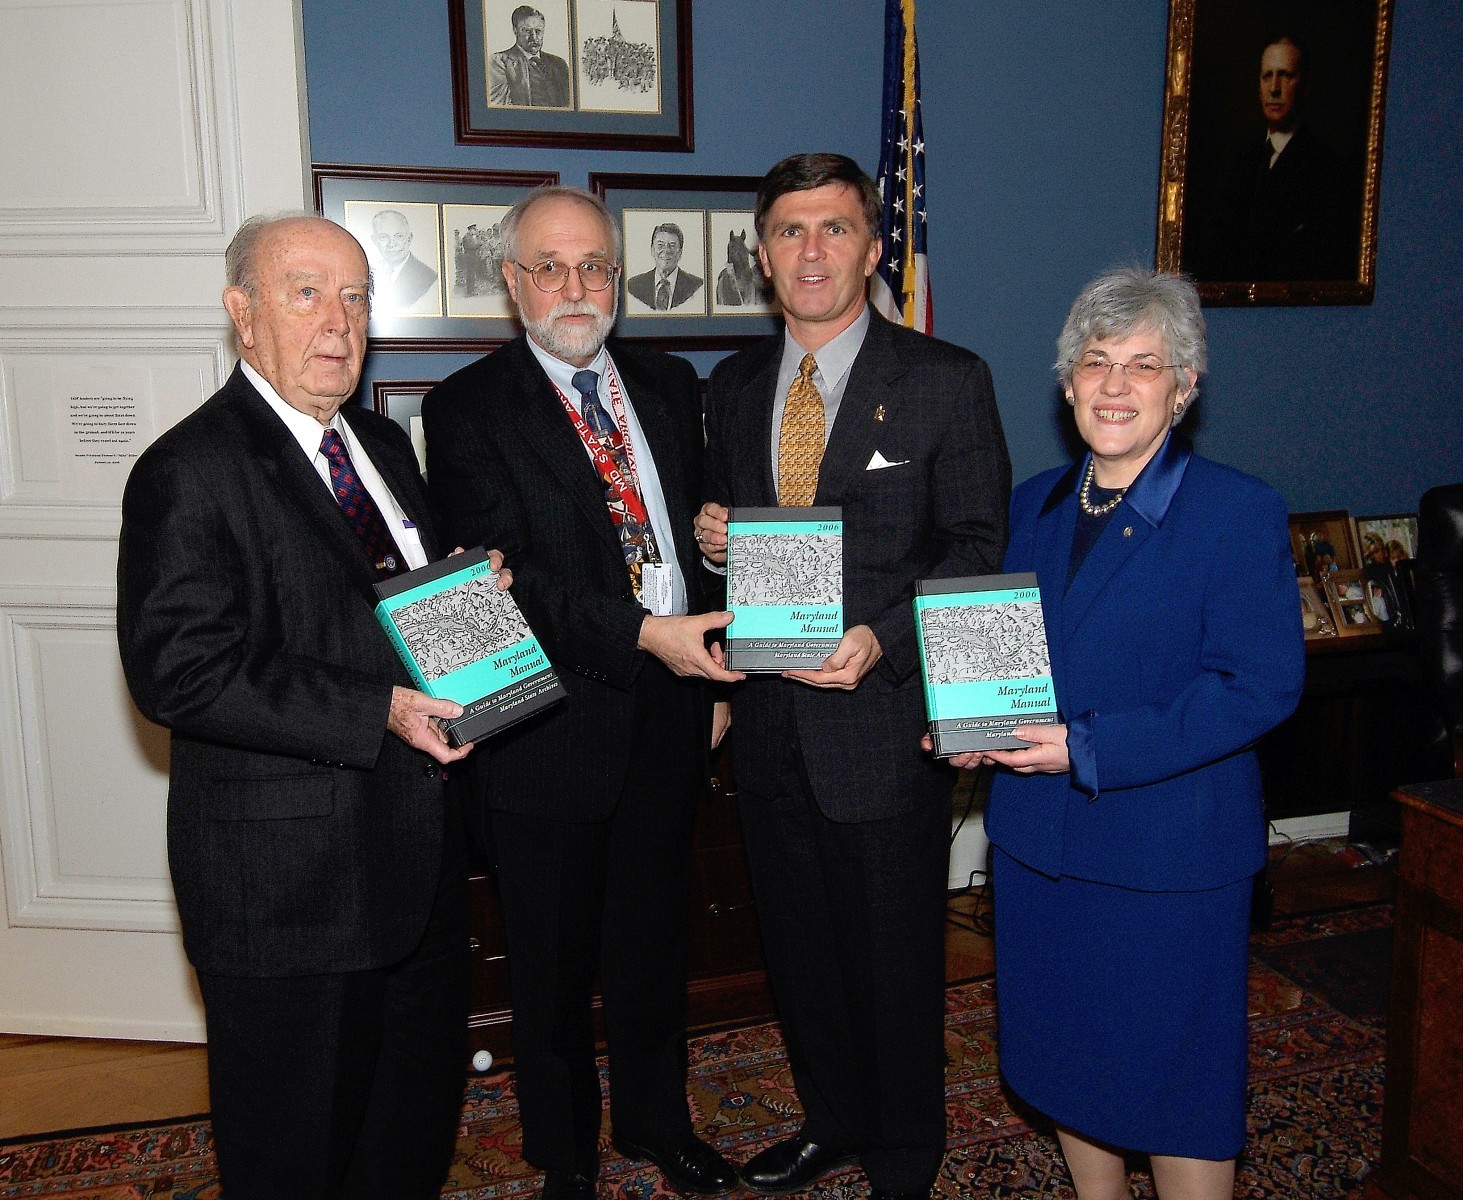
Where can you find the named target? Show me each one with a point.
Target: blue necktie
(637, 541)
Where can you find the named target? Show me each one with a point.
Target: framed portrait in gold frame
(1272, 148)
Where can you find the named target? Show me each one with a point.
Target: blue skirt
(1123, 1013)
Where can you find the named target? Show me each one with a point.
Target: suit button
(430, 770)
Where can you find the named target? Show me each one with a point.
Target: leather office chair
(1440, 606)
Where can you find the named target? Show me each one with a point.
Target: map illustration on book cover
(784, 587)
(984, 656)
(462, 639)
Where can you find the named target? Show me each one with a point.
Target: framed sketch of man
(403, 245)
(528, 48)
(700, 227)
(614, 74)
(430, 234)
(665, 262)
(1272, 141)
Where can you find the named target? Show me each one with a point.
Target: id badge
(655, 589)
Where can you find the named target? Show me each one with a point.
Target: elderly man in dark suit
(319, 875)
(581, 458)
(846, 822)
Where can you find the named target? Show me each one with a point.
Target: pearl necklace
(1083, 496)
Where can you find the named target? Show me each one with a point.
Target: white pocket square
(879, 462)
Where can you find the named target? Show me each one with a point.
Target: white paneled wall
(139, 133)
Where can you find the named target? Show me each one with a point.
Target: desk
(1422, 1113)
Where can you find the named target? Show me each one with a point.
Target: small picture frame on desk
(1315, 613)
(1353, 611)
(1323, 542)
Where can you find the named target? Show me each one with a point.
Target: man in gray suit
(525, 75)
(846, 822)
(319, 873)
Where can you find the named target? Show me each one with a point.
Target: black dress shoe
(568, 1185)
(693, 1166)
(792, 1165)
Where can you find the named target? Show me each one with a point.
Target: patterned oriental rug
(1317, 1014)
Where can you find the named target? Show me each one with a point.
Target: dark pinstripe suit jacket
(303, 837)
(507, 469)
(929, 408)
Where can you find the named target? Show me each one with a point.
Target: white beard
(571, 342)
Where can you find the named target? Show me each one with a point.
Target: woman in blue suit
(1126, 838)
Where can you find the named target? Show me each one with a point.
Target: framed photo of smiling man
(1272, 144)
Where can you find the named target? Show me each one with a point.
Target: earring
(1178, 408)
(1071, 400)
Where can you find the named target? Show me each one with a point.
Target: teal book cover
(463, 639)
(984, 659)
(784, 587)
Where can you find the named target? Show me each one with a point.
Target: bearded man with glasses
(580, 456)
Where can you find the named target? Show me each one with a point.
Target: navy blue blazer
(1177, 645)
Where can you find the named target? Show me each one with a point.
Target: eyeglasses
(1138, 370)
(551, 276)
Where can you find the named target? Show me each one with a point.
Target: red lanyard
(624, 491)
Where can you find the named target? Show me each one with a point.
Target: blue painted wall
(1043, 128)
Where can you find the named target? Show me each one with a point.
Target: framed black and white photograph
(665, 263)
(691, 277)
(737, 285)
(404, 247)
(401, 400)
(431, 237)
(474, 244)
(606, 74)
(1272, 148)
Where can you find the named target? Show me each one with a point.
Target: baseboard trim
(1308, 829)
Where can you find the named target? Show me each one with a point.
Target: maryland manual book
(462, 639)
(984, 656)
(784, 587)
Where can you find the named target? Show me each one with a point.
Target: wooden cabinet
(728, 982)
(1364, 725)
(1422, 1112)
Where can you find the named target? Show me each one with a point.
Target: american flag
(900, 289)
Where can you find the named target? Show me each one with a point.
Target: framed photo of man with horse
(691, 278)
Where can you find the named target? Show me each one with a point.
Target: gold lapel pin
(879, 413)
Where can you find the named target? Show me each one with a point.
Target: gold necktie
(800, 441)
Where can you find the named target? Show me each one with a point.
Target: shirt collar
(1151, 493)
(834, 357)
(561, 374)
(305, 428)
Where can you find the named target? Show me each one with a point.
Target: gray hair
(241, 262)
(508, 227)
(1120, 302)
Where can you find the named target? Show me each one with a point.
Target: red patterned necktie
(359, 509)
(637, 540)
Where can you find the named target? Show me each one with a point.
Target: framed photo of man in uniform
(1272, 144)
